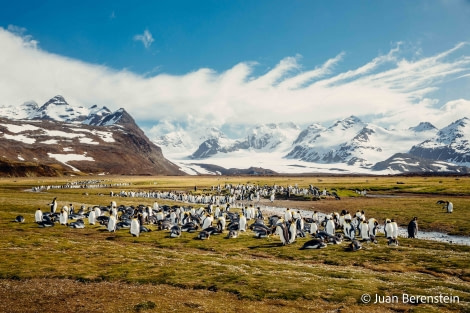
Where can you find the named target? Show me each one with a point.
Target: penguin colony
(213, 220)
(233, 192)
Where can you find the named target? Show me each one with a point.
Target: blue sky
(189, 35)
(219, 47)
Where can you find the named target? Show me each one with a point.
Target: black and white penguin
(103, 220)
(283, 232)
(160, 216)
(292, 232)
(242, 223)
(261, 232)
(97, 211)
(392, 242)
(46, 222)
(394, 228)
(112, 223)
(373, 224)
(364, 226)
(19, 219)
(354, 246)
(288, 215)
(144, 229)
(413, 228)
(299, 223)
(330, 226)
(388, 229)
(135, 227)
(336, 239)
(63, 216)
(221, 223)
(77, 224)
(203, 235)
(232, 234)
(38, 215)
(92, 217)
(449, 207)
(189, 227)
(314, 244)
(165, 225)
(53, 205)
(207, 222)
(348, 230)
(175, 231)
(123, 224)
(212, 230)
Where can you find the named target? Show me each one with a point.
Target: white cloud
(146, 38)
(390, 88)
(28, 40)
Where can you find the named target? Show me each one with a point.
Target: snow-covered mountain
(262, 138)
(356, 143)
(185, 142)
(450, 144)
(60, 139)
(272, 136)
(348, 145)
(320, 144)
(57, 109)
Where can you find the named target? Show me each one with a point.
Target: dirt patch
(63, 295)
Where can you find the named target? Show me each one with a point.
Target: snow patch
(105, 136)
(19, 128)
(21, 138)
(64, 158)
(88, 141)
(50, 142)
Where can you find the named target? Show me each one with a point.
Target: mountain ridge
(347, 145)
(58, 139)
(348, 141)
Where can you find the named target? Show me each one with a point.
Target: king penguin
(112, 223)
(413, 228)
(53, 205)
(314, 244)
(92, 217)
(38, 216)
(242, 223)
(364, 230)
(135, 227)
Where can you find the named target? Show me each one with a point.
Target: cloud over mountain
(392, 88)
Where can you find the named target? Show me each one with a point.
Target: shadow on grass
(267, 245)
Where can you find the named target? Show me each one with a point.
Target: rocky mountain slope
(57, 138)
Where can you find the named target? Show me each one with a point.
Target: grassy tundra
(61, 269)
